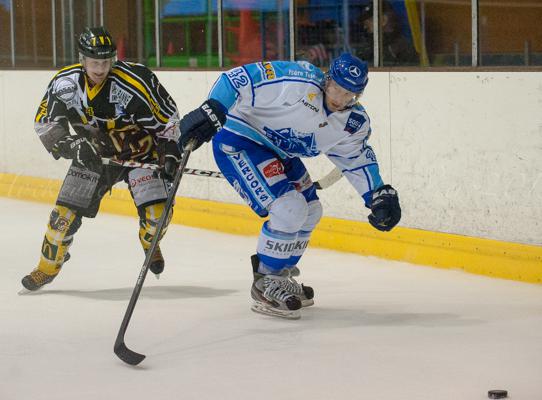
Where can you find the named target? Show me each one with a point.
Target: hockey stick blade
(127, 355)
(120, 348)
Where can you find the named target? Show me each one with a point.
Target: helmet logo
(354, 71)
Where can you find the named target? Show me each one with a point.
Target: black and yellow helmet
(97, 43)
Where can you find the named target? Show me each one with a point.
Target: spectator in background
(320, 39)
(397, 48)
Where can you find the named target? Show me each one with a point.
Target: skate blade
(307, 303)
(24, 291)
(261, 308)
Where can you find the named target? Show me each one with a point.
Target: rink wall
(464, 150)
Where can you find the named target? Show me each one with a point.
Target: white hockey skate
(270, 297)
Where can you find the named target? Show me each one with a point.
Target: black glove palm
(78, 149)
(385, 209)
(201, 124)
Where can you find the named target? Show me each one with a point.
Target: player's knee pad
(149, 216)
(314, 215)
(288, 213)
(63, 224)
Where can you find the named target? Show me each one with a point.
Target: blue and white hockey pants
(274, 187)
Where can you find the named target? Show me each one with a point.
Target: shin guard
(275, 248)
(63, 224)
(149, 217)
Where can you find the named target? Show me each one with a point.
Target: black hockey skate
(270, 297)
(157, 262)
(36, 280)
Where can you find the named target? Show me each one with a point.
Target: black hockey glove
(170, 157)
(78, 149)
(201, 124)
(385, 209)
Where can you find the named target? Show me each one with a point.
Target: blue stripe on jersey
(224, 92)
(348, 158)
(372, 173)
(375, 175)
(361, 167)
(251, 85)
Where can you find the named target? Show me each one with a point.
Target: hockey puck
(497, 394)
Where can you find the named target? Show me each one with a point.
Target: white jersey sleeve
(357, 160)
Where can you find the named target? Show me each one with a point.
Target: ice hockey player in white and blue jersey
(279, 112)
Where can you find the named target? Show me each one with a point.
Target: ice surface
(379, 329)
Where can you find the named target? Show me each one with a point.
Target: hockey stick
(123, 352)
(136, 164)
(333, 176)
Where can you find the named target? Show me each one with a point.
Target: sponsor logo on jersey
(118, 95)
(269, 70)
(293, 142)
(272, 170)
(354, 123)
(83, 175)
(65, 89)
(311, 96)
(238, 188)
(250, 177)
(301, 74)
(140, 180)
(310, 106)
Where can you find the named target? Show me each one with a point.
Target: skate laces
(41, 278)
(290, 284)
(276, 287)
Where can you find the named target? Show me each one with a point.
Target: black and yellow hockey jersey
(124, 117)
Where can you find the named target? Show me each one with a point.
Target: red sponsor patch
(273, 169)
(140, 180)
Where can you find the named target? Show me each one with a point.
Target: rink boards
(462, 148)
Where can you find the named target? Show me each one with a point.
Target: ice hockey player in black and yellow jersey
(116, 110)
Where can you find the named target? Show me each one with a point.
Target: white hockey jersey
(281, 105)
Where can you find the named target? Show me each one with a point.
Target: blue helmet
(349, 72)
